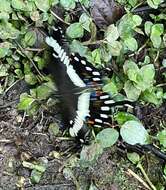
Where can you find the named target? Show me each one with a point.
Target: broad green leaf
(154, 3)
(107, 137)
(86, 3)
(148, 25)
(4, 49)
(122, 117)
(155, 36)
(131, 43)
(110, 88)
(30, 38)
(25, 101)
(77, 46)
(133, 132)
(31, 78)
(8, 31)
(42, 5)
(96, 56)
(161, 136)
(4, 16)
(133, 2)
(133, 157)
(150, 96)
(3, 70)
(137, 20)
(68, 4)
(157, 29)
(5, 6)
(18, 4)
(131, 91)
(145, 78)
(85, 20)
(111, 34)
(35, 176)
(131, 69)
(75, 30)
(115, 48)
(19, 73)
(43, 91)
(125, 26)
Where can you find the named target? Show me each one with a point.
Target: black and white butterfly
(83, 101)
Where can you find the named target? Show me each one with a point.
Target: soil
(25, 139)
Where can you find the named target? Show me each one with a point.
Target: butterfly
(83, 102)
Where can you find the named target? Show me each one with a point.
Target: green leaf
(77, 46)
(4, 49)
(8, 31)
(3, 70)
(85, 20)
(75, 30)
(35, 176)
(131, 91)
(39, 167)
(19, 73)
(131, 43)
(137, 20)
(86, 3)
(148, 25)
(43, 91)
(96, 56)
(110, 88)
(115, 48)
(133, 157)
(5, 6)
(42, 5)
(156, 31)
(111, 34)
(18, 4)
(68, 4)
(25, 102)
(31, 78)
(122, 117)
(125, 26)
(150, 96)
(133, 2)
(30, 38)
(161, 136)
(89, 154)
(145, 78)
(133, 132)
(131, 69)
(154, 3)
(107, 137)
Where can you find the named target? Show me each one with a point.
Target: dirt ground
(23, 138)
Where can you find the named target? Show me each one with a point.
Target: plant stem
(146, 177)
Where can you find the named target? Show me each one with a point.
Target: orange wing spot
(91, 122)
